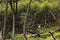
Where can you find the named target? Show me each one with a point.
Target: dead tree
(5, 19)
(26, 15)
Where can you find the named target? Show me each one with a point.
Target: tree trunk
(13, 28)
(24, 26)
(0, 34)
(5, 18)
(0, 31)
(0, 24)
(14, 12)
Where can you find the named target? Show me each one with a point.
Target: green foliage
(42, 6)
(8, 35)
(19, 37)
(37, 6)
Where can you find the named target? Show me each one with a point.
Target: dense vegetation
(39, 14)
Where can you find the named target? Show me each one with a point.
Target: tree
(13, 29)
(26, 15)
(13, 15)
(5, 19)
(0, 24)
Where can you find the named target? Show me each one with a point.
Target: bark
(24, 26)
(5, 19)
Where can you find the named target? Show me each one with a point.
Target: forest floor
(43, 37)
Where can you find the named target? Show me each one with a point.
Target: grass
(19, 37)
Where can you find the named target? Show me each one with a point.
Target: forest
(29, 19)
